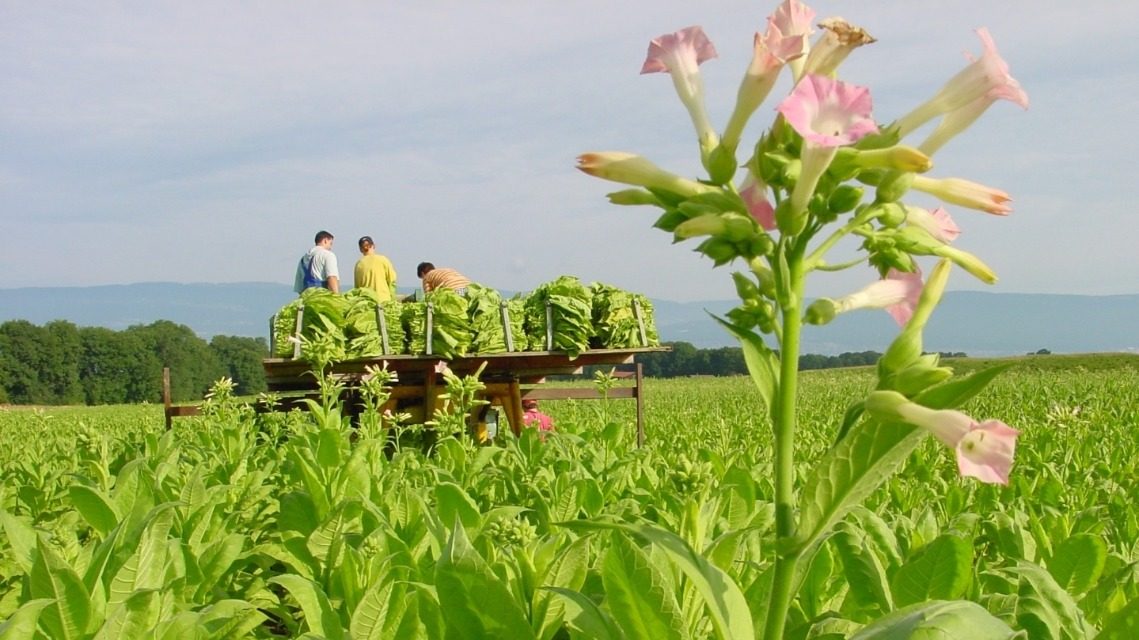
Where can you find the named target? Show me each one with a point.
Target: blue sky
(209, 141)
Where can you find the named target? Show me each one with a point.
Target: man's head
(366, 244)
(529, 404)
(323, 238)
(424, 268)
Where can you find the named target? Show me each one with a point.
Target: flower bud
(760, 245)
(738, 228)
(709, 224)
(763, 276)
(633, 197)
(968, 262)
(721, 164)
(844, 198)
(693, 209)
(906, 349)
(894, 185)
(920, 376)
(884, 404)
(820, 312)
(788, 220)
(720, 251)
(746, 288)
(890, 214)
(670, 220)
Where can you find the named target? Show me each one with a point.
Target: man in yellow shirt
(375, 271)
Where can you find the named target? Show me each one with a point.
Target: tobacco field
(244, 525)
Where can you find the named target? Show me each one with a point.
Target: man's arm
(334, 284)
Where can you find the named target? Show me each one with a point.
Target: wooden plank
(576, 393)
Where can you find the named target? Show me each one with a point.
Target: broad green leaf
(325, 542)
(567, 570)
(731, 615)
(761, 362)
(452, 503)
(217, 560)
(297, 513)
(938, 620)
(1043, 608)
(941, 570)
(1120, 625)
(865, 572)
(21, 625)
(319, 615)
(146, 566)
(22, 538)
(870, 453)
(1078, 562)
(330, 444)
(138, 614)
(231, 619)
(70, 615)
(635, 593)
(387, 610)
(473, 600)
(584, 616)
(97, 509)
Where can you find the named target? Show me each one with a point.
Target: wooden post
(297, 332)
(166, 403)
(638, 381)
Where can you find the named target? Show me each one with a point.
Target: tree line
(60, 363)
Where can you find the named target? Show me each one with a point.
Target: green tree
(116, 367)
(242, 359)
(23, 355)
(64, 349)
(193, 365)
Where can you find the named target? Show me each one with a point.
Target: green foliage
(240, 525)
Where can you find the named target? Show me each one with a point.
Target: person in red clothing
(532, 417)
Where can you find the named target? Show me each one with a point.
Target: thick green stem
(781, 591)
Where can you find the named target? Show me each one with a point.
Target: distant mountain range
(979, 324)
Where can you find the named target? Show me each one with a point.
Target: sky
(209, 141)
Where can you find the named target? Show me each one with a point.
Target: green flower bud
(670, 220)
(770, 165)
(692, 209)
(761, 245)
(883, 405)
(721, 165)
(791, 171)
(789, 222)
(720, 201)
(763, 275)
(844, 198)
(746, 288)
(633, 197)
(920, 376)
(738, 228)
(907, 347)
(709, 224)
(890, 214)
(720, 251)
(893, 186)
(820, 312)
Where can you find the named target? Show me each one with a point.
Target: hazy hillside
(974, 322)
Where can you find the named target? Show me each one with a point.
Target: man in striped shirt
(441, 278)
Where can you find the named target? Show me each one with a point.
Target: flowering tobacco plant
(824, 170)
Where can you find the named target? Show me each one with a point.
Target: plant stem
(785, 561)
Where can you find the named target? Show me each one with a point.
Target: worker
(441, 278)
(374, 271)
(317, 268)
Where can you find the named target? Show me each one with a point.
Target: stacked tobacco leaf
(622, 320)
(580, 317)
(559, 316)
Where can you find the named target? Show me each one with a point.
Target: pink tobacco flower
(897, 293)
(937, 223)
(754, 194)
(984, 450)
(966, 194)
(986, 78)
(772, 50)
(828, 114)
(680, 54)
(792, 20)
